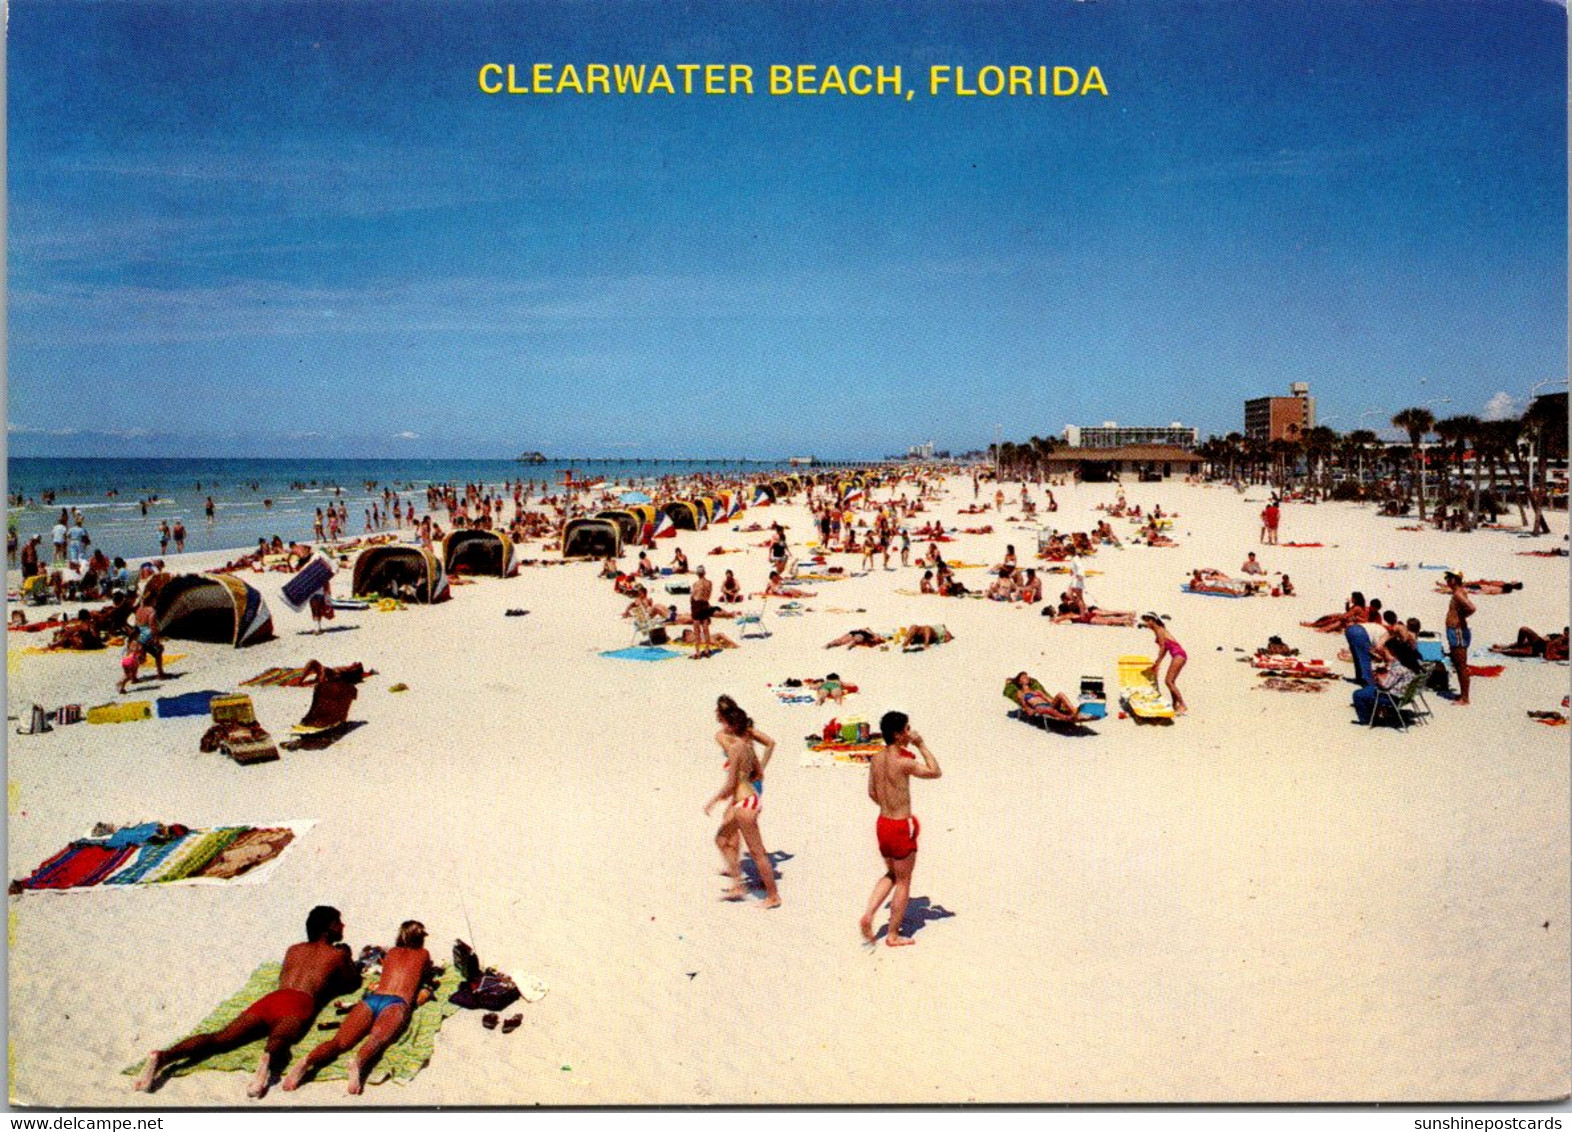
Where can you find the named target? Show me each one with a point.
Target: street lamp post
(1362, 416)
(1423, 459)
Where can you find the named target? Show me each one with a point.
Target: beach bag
(37, 722)
(487, 989)
(659, 636)
(232, 709)
(68, 713)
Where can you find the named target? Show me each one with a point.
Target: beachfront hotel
(1281, 418)
(1112, 434)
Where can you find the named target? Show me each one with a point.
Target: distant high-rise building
(1112, 434)
(1281, 418)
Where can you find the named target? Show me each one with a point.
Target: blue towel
(642, 652)
(1431, 651)
(1207, 593)
(1094, 709)
(190, 703)
(131, 835)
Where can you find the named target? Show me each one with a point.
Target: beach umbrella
(634, 497)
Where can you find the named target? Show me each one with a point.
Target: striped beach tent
(480, 552)
(385, 569)
(664, 528)
(211, 607)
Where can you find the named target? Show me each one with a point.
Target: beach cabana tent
(684, 516)
(382, 569)
(592, 538)
(480, 552)
(763, 494)
(664, 527)
(628, 524)
(708, 506)
(211, 607)
(645, 513)
(781, 488)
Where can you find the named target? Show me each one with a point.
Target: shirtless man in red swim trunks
(380, 1014)
(313, 972)
(889, 785)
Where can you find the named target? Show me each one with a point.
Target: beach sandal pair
(490, 1022)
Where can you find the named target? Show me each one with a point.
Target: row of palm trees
(1512, 453)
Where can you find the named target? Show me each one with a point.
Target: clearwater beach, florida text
(787, 79)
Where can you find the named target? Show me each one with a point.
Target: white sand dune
(1260, 902)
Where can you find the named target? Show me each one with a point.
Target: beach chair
(35, 590)
(649, 631)
(1412, 700)
(752, 624)
(1060, 726)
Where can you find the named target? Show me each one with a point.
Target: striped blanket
(236, 854)
(276, 678)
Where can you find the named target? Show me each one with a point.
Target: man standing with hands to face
(889, 785)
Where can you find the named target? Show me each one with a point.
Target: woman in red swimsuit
(1174, 651)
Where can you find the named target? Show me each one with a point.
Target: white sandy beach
(1261, 902)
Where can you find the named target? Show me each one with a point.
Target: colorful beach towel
(407, 1056)
(239, 854)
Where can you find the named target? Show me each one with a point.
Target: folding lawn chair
(752, 624)
(1412, 695)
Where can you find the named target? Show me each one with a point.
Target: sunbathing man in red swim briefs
(889, 785)
(313, 972)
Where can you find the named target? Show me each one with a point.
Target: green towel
(407, 1056)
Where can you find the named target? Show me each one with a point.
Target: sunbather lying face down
(312, 972)
(381, 1014)
(866, 638)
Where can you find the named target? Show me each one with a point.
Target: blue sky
(300, 229)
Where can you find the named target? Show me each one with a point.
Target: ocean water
(108, 493)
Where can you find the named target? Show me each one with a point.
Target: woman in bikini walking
(742, 793)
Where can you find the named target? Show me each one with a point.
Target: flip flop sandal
(513, 1023)
(489, 1021)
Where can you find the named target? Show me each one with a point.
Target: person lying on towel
(380, 1016)
(313, 972)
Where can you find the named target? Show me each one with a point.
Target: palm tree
(1320, 442)
(1459, 431)
(1360, 441)
(1544, 426)
(1496, 443)
(1416, 422)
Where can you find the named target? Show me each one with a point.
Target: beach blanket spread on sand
(138, 855)
(404, 1058)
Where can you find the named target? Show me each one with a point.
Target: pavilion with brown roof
(1147, 461)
